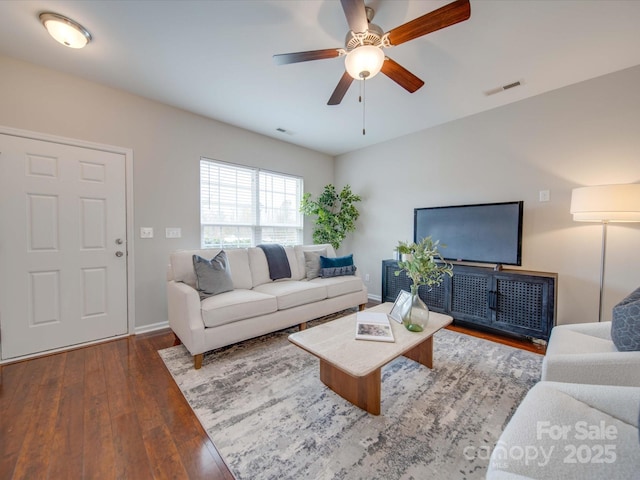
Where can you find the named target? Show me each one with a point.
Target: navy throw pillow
(327, 262)
(337, 267)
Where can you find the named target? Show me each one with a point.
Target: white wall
(167, 145)
(585, 134)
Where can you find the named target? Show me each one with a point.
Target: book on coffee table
(373, 326)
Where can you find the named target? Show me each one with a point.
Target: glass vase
(415, 318)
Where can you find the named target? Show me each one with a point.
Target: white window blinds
(242, 206)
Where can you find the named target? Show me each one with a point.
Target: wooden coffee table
(351, 367)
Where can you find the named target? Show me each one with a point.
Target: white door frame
(128, 155)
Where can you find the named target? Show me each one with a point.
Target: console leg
(362, 306)
(303, 326)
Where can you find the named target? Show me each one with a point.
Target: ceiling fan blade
(356, 15)
(446, 16)
(341, 89)
(401, 75)
(285, 58)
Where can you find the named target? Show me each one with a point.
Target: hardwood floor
(105, 411)
(504, 339)
(110, 411)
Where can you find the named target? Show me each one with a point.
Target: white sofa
(585, 353)
(581, 420)
(257, 305)
(570, 430)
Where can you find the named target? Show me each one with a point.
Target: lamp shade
(606, 203)
(364, 62)
(64, 30)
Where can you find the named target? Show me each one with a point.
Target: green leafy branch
(336, 214)
(423, 263)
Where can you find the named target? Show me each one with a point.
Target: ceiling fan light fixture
(64, 30)
(364, 62)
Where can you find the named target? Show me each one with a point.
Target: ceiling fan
(364, 42)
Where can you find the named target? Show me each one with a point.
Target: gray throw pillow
(338, 271)
(212, 276)
(312, 262)
(625, 326)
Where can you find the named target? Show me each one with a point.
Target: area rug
(265, 409)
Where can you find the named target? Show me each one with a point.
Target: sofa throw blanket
(277, 261)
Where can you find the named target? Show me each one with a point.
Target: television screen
(484, 233)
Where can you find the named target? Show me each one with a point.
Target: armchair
(585, 353)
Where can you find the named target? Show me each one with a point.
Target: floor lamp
(606, 204)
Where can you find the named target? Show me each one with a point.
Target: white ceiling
(214, 58)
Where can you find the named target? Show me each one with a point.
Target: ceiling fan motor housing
(372, 36)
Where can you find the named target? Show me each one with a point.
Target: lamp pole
(602, 259)
(604, 204)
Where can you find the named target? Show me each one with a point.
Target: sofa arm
(185, 316)
(606, 368)
(599, 330)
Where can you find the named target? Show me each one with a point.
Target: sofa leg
(303, 326)
(176, 340)
(362, 306)
(197, 361)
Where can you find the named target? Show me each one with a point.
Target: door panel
(61, 210)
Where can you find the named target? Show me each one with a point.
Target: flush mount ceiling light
(64, 30)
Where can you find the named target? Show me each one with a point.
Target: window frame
(294, 230)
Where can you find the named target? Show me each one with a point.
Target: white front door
(63, 246)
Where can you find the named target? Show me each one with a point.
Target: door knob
(119, 253)
(118, 241)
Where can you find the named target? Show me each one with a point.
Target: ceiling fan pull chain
(364, 102)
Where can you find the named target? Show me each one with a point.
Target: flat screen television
(483, 233)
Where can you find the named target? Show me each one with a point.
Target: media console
(517, 302)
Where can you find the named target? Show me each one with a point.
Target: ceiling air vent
(503, 88)
(284, 130)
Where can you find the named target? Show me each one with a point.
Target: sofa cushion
(337, 286)
(182, 265)
(236, 305)
(312, 263)
(625, 325)
(325, 249)
(291, 294)
(297, 267)
(259, 266)
(212, 276)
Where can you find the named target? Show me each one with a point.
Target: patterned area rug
(265, 409)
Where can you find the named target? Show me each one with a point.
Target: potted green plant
(336, 214)
(424, 265)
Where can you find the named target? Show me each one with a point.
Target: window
(243, 206)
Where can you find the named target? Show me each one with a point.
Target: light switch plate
(544, 195)
(146, 232)
(173, 232)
